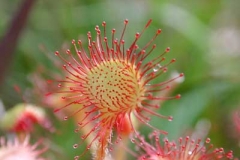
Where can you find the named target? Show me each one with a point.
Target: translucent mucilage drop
(75, 146)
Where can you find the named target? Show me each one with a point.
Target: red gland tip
(208, 140)
(73, 41)
(165, 69)
(113, 30)
(180, 139)
(126, 21)
(97, 27)
(167, 49)
(68, 51)
(103, 23)
(159, 31)
(56, 53)
(79, 42)
(173, 60)
(105, 39)
(181, 74)
(230, 154)
(137, 35)
(178, 96)
(170, 118)
(143, 51)
(221, 149)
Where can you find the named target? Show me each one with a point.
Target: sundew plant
(119, 80)
(111, 85)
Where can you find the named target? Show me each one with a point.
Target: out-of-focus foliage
(204, 37)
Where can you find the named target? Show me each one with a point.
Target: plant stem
(9, 41)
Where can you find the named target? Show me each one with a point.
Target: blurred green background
(204, 37)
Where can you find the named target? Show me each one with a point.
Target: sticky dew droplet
(170, 118)
(75, 146)
(133, 140)
(110, 149)
(208, 140)
(158, 66)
